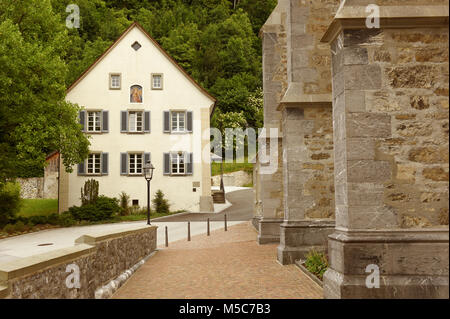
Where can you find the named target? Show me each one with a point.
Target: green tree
(35, 119)
(160, 203)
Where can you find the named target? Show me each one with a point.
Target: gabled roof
(112, 46)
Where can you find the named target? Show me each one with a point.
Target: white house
(140, 105)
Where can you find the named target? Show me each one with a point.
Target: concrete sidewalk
(225, 265)
(21, 246)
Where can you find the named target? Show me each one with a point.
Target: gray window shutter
(147, 121)
(105, 121)
(189, 163)
(166, 163)
(123, 163)
(81, 169)
(124, 121)
(189, 121)
(82, 116)
(105, 164)
(147, 158)
(166, 122)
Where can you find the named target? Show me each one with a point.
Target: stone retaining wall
(238, 179)
(31, 188)
(100, 258)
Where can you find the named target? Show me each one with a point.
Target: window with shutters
(135, 164)
(94, 121)
(115, 80)
(178, 120)
(94, 164)
(135, 121)
(157, 81)
(178, 163)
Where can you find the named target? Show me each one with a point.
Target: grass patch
(137, 217)
(38, 207)
(232, 167)
(316, 263)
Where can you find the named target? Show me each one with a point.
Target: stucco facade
(178, 92)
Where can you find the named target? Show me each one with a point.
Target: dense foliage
(34, 118)
(317, 263)
(160, 203)
(9, 202)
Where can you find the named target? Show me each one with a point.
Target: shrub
(9, 229)
(9, 202)
(316, 263)
(20, 226)
(124, 204)
(103, 209)
(66, 220)
(160, 203)
(90, 194)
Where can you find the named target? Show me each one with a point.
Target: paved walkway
(21, 246)
(225, 265)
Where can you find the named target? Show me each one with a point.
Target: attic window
(136, 46)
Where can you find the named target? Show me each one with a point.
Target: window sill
(179, 133)
(133, 133)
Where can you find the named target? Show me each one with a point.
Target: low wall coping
(96, 237)
(31, 264)
(4, 291)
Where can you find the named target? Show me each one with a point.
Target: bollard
(207, 228)
(189, 231)
(167, 237)
(226, 222)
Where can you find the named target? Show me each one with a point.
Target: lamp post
(148, 174)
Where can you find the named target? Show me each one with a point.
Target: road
(27, 245)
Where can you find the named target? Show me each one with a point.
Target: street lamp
(148, 174)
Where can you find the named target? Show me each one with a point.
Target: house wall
(179, 92)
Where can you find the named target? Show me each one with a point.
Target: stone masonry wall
(104, 262)
(31, 188)
(396, 123)
(319, 163)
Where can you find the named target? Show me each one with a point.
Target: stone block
(367, 171)
(368, 125)
(360, 149)
(355, 56)
(362, 77)
(354, 101)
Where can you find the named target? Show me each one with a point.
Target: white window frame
(178, 161)
(91, 163)
(111, 86)
(134, 166)
(177, 128)
(161, 83)
(136, 122)
(96, 116)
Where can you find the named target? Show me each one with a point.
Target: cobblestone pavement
(225, 265)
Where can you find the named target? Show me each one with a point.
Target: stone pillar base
(206, 204)
(297, 238)
(269, 231)
(412, 264)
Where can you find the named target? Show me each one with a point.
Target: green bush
(9, 229)
(103, 209)
(160, 203)
(9, 202)
(20, 226)
(66, 220)
(89, 194)
(316, 263)
(124, 204)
